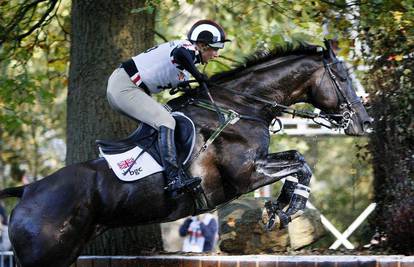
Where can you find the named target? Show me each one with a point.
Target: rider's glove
(203, 79)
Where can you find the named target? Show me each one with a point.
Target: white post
(332, 229)
(354, 225)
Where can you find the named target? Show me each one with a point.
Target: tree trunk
(104, 33)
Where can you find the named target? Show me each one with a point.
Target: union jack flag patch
(125, 163)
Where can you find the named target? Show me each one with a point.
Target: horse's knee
(298, 156)
(304, 174)
(284, 155)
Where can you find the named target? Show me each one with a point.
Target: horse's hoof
(284, 219)
(269, 218)
(274, 219)
(274, 222)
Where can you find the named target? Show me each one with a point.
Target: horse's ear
(327, 44)
(328, 53)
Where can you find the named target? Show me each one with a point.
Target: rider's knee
(167, 122)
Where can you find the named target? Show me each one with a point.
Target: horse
(58, 215)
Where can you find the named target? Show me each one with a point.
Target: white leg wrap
(292, 179)
(302, 190)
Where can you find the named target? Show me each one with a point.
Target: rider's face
(208, 53)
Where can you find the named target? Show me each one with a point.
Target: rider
(163, 66)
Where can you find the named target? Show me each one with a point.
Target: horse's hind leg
(40, 238)
(38, 244)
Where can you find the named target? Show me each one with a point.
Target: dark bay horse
(59, 214)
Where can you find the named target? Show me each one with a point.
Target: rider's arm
(209, 230)
(185, 58)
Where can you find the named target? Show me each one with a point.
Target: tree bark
(104, 33)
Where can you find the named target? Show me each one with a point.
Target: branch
(19, 16)
(20, 13)
(160, 35)
(40, 22)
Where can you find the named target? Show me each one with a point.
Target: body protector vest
(158, 69)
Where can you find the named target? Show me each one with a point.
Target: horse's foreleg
(275, 162)
(277, 166)
(295, 192)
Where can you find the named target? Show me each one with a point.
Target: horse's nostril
(367, 125)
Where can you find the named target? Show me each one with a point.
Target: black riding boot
(177, 180)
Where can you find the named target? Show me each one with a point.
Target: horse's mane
(262, 56)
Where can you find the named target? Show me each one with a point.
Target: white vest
(158, 70)
(194, 240)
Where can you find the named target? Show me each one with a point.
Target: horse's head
(332, 92)
(285, 76)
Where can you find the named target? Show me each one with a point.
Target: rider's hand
(203, 79)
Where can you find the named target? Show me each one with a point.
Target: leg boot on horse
(177, 179)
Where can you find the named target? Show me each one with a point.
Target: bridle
(343, 119)
(331, 120)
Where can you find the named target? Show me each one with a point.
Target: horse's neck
(284, 82)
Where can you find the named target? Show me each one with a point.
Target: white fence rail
(304, 127)
(6, 259)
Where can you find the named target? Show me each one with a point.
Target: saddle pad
(143, 164)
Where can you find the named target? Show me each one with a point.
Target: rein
(288, 110)
(344, 118)
(230, 117)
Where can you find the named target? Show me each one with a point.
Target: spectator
(200, 235)
(5, 244)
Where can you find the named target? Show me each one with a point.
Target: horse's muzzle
(359, 127)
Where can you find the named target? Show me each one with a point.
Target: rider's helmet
(209, 32)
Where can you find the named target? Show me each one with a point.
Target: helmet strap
(201, 47)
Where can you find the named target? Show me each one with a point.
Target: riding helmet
(209, 32)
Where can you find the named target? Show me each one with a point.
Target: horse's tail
(12, 192)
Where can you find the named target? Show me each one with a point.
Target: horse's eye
(342, 72)
(342, 79)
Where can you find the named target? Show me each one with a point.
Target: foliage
(34, 59)
(389, 35)
(251, 25)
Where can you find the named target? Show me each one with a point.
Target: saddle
(138, 156)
